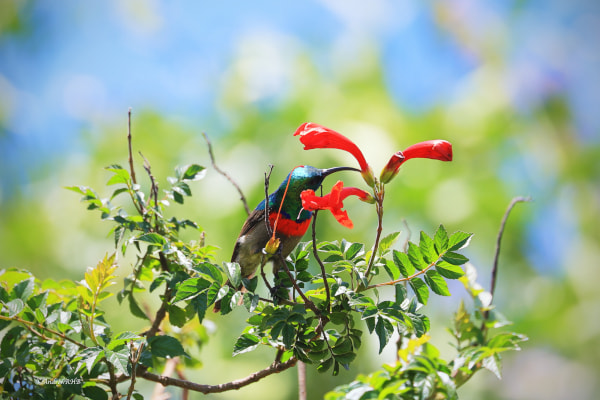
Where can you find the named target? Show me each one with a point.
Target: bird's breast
(287, 226)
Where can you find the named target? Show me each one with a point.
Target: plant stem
(316, 255)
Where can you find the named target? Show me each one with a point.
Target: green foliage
(57, 331)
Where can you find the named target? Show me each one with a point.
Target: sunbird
(287, 219)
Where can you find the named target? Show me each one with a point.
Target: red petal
(434, 149)
(315, 136)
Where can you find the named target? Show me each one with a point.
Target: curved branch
(223, 387)
(225, 174)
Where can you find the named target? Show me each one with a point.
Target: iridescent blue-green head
(301, 178)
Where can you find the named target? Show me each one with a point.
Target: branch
(112, 382)
(220, 171)
(316, 255)
(267, 179)
(223, 387)
(132, 170)
(408, 278)
(31, 325)
(160, 314)
(513, 202)
(379, 195)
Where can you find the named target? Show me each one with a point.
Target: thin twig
(31, 325)
(220, 171)
(323, 271)
(308, 303)
(267, 179)
(379, 195)
(132, 170)
(153, 186)
(513, 202)
(408, 278)
(134, 358)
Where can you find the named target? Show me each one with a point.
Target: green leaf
(354, 250)
(436, 283)
(440, 239)
(325, 365)
(234, 273)
(165, 346)
(454, 258)
(23, 289)
(420, 289)
(387, 241)
(427, 248)
(493, 364)
(404, 264)
(251, 301)
(449, 271)
(135, 309)
(415, 256)
(288, 335)
(123, 338)
(245, 343)
(176, 316)
(459, 240)
(152, 238)
(193, 172)
(384, 330)
(15, 307)
(119, 359)
(94, 392)
(392, 269)
(190, 288)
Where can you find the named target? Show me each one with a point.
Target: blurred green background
(513, 85)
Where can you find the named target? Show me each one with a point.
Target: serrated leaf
(245, 343)
(23, 289)
(120, 359)
(152, 238)
(355, 249)
(384, 330)
(404, 264)
(234, 273)
(251, 301)
(436, 283)
(392, 269)
(440, 239)
(15, 307)
(190, 288)
(459, 240)
(492, 363)
(387, 241)
(165, 346)
(421, 290)
(427, 248)
(449, 271)
(415, 256)
(454, 258)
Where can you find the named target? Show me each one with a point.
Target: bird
(286, 216)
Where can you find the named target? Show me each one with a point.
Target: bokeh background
(513, 85)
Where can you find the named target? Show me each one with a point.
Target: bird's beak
(328, 171)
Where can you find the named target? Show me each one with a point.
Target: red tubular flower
(434, 149)
(315, 136)
(334, 201)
